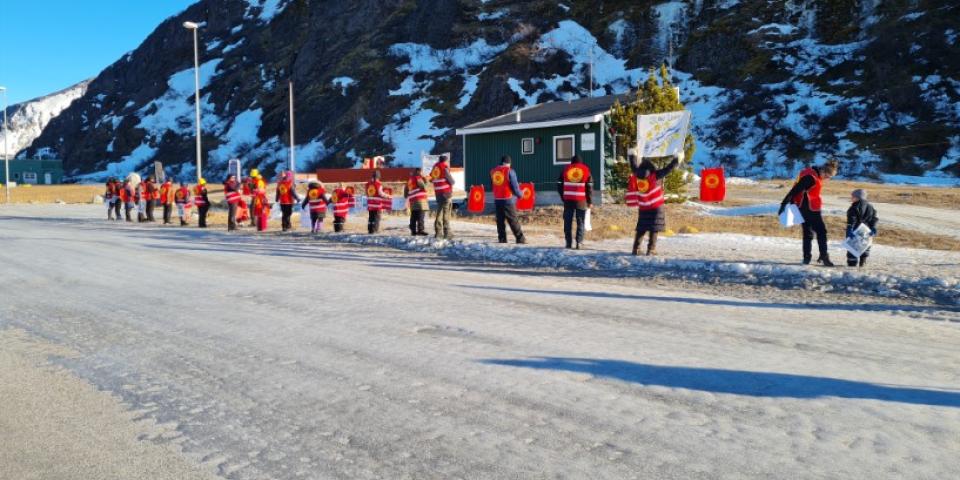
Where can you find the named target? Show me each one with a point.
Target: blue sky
(49, 45)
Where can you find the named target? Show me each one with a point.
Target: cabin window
(563, 147)
(29, 177)
(526, 146)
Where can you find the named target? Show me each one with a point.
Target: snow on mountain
(28, 119)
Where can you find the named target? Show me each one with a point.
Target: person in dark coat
(149, 197)
(652, 219)
(575, 206)
(860, 213)
(806, 195)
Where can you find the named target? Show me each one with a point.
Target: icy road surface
(267, 358)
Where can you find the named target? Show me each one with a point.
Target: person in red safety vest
(166, 200)
(806, 195)
(415, 192)
(231, 193)
(375, 198)
(202, 202)
(110, 198)
(317, 201)
(250, 185)
(506, 190)
(651, 219)
(575, 187)
(126, 196)
(260, 205)
(150, 195)
(443, 184)
(341, 207)
(287, 197)
(181, 198)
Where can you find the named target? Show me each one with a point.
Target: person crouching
(860, 212)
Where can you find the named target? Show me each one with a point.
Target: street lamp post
(196, 80)
(6, 156)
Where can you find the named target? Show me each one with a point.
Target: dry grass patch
(52, 193)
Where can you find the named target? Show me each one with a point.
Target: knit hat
(859, 194)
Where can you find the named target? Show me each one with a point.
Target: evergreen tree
(655, 95)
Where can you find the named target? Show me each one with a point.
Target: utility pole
(196, 80)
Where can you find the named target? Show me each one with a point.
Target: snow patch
(423, 58)
(343, 83)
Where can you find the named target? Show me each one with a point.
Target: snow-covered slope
(28, 119)
(773, 85)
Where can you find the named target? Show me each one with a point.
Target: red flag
(386, 204)
(527, 198)
(713, 185)
(475, 202)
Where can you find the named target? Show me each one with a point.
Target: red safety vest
(285, 189)
(374, 200)
(316, 200)
(341, 202)
(575, 177)
(414, 192)
(500, 177)
(814, 200)
(180, 196)
(632, 197)
(125, 193)
(230, 193)
(198, 192)
(438, 175)
(165, 192)
(111, 191)
(649, 193)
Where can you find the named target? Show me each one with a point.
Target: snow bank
(921, 181)
(946, 291)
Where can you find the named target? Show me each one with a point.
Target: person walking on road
(317, 200)
(375, 198)
(166, 200)
(110, 198)
(506, 190)
(231, 192)
(806, 194)
(127, 197)
(416, 193)
(286, 197)
(651, 219)
(341, 207)
(202, 202)
(443, 184)
(575, 187)
(117, 201)
(150, 196)
(182, 199)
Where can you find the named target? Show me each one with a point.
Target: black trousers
(813, 225)
(417, 222)
(506, 213)
(150, 211)
(338, 223)
(286, 211)
(231, 216)
(855, 261)
(570, 211)
(202, 211)
(127, 208)
(373, 222)
(316, 219)
(116, 208)
(167, 213)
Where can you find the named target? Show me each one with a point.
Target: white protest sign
(233, 168)
(427, 161)
(662, 134)
(859, 242)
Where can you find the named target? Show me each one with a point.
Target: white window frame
(523, 142)
(29, 177)
(573, 142)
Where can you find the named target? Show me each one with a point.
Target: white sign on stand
(427, 161)
(662, 134)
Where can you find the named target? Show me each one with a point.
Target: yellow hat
(203, 181)
(254, 173)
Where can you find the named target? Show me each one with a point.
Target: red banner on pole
(476, 200)
(713, 185)
(527, 197)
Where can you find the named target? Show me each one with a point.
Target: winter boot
(863, 262)
(807, 259)
(652, 245)
(636, 244)
(825, 261)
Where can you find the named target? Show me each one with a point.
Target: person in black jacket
(806, 195)
(651, 220)
(860, 212)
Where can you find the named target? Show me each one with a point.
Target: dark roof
(554, 111)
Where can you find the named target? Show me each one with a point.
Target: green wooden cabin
(541, 139)
(33, 171)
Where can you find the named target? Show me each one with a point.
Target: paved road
(269, 357)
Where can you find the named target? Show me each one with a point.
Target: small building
(542, 139)
(33, 171)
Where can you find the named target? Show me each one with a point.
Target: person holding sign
(805, 194)
(860, 213)
(575, 187)
(416, 193)
(651, 219)
(505, 190)
(231, 192)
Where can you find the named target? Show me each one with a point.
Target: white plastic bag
(587, 226)
(791, 216)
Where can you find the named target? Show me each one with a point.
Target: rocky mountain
(28, 119)
(773, 84)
